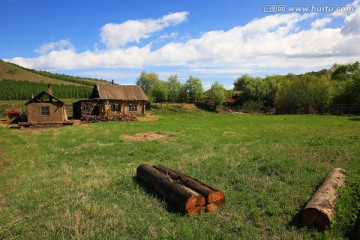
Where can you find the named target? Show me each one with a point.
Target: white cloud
(263, 43)
(284, 41)
(59, 45)
(116, 35)
(66, 59)
(320, 23)
(347, 9)
(352, 23)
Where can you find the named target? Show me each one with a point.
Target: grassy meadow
(77, 182)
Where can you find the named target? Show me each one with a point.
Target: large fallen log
(214, 197)
(320, 210)
(185, 199)
(357, 227)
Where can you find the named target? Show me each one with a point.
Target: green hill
(19, 83)
(15, 72)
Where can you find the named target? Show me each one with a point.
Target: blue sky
(212, 40)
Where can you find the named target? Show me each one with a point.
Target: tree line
(24, 90)
(172, 90)
(295, 93)
(287, 93)
(63, 77)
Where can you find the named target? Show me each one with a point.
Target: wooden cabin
(108, 100)
(45, 109)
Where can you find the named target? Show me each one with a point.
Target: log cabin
(45, 109)
(111, 99)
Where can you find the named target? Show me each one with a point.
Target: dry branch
(214, 197)
(320, 210)
(184, 198)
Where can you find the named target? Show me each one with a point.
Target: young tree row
(24, 90)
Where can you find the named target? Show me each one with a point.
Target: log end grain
(212, 207)
(217, 197)
(312, 217)
(195, 205)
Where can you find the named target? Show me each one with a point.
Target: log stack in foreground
(320, 210)
(187, 194)
(214, 198)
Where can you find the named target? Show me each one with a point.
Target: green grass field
(77, 182)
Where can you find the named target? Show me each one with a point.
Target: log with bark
(185, 199)
(214, 197)
(357, 227)
(320, 210)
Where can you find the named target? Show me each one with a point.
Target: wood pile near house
(126, 117)
(187, 194)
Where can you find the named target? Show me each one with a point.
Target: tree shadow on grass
(296, 220)
(355, 119)
(150, 192)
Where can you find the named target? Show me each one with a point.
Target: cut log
(357, 227)
(214, 197)
(320, 210)
(185, 199)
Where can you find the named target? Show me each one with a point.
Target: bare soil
(141, 137)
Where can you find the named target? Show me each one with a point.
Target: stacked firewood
(126, 117)
(187, 194)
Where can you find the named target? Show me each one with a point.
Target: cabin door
(96, 110)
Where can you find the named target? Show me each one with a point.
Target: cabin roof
(118, 92)
(40, 98)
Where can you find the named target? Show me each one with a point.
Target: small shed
(111, 100)
(45, 109)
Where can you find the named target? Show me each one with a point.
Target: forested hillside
(24, 90)
(19, 83)
(63, 77)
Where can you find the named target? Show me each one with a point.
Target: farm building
(111, 100)
(45, 109)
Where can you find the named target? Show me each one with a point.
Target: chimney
(49, 89)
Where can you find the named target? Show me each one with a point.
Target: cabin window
(133, 107)
(45, 111)
(88, 107)
(115, 107)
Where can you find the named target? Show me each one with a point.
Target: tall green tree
(302, 91)
(159, 92)
(174, 88)
(147, 81)
(217, 94)
(242, 82)
(194, 89)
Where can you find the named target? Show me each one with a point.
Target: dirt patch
(33, 130)
(141, 137)
(148, 117)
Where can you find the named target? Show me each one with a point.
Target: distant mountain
(15, 72)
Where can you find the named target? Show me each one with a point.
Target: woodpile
(126, 117)
(187, 194)
(320, 210)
